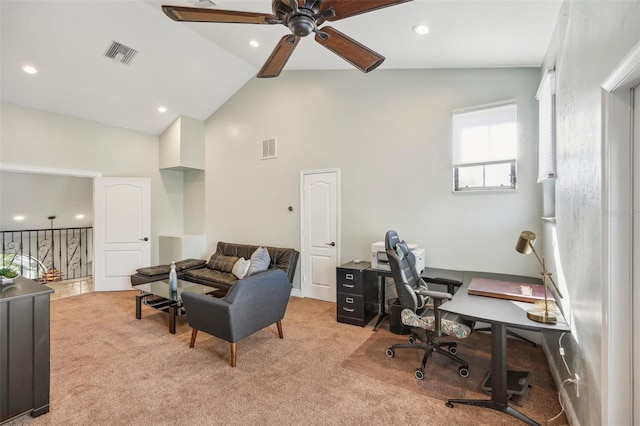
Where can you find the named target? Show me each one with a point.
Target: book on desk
(522, 292)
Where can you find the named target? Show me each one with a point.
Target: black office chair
(426, 322)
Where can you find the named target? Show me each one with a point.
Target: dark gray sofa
(201, 272)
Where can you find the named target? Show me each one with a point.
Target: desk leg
(499, 397)
(381, 313)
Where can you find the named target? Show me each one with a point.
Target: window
(484, 147)
(547, 127)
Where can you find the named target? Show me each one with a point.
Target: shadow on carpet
(442, 380)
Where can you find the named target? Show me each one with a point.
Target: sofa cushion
(281, 258)
(260, 260)
(151, 271)
(183, 265)
(241, 268)
(186, 264)
(211, 277)
(222, 263)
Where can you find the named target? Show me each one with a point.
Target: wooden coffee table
(156, 294)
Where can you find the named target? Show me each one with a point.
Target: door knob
(332, 244)
(144, 239)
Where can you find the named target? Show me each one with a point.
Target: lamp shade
(525, 241)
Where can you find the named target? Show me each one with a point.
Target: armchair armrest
(440, 295)
(452, 285)
(207, 313)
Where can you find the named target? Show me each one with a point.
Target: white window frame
(546, 96)
(457, 163)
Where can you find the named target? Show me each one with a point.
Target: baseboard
(296, 292)
(557, 379)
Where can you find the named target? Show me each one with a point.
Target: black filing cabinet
(357, 293)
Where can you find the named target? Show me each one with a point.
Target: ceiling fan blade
(279, 57)
(346, 8)
(196, 14)
(350, 50)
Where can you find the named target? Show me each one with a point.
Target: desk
(500, 314)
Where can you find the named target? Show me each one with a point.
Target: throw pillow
(260, 260)
(241, 268)
(222, 263)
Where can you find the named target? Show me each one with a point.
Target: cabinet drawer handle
(348, 285)
(349, 276)
(349, 299)
(348, 310)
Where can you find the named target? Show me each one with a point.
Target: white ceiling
(193, 68)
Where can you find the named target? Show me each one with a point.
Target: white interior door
(122, 225)
(320, 245)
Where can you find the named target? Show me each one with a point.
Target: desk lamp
(525, 246)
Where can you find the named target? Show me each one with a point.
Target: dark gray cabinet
(357, 294)
(24, 349)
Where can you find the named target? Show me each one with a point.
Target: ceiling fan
(302, 17)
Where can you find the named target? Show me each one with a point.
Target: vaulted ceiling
(193, 68)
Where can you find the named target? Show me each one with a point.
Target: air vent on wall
(269, 149)
(120, 53)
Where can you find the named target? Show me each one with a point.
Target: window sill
(486, 191)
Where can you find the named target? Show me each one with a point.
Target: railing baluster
(35, 260)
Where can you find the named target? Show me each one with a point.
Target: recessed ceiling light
(420, 29)
(79, 216)
(254, 43)
(19, 217)
(29, 69)
(162, 109)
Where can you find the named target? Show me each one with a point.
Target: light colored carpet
(108, 368)
(442, 381)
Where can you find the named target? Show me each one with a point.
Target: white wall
(36, 197)
(389, 133)
(590, 39)
(40, 139)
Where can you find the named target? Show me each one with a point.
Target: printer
(379, 258)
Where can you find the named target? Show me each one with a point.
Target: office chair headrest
(402, 249)
(390, 240)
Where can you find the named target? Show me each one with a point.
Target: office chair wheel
(390, 352)
(463, 371)
(411, 340)
(449, 404)
(419, 374)
(453, 349)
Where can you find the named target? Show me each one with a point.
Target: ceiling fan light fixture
(421, 29)
(301, 25)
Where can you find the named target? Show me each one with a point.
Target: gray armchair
(251, 304)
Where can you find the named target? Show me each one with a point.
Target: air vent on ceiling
(120, 53)
(269, 149)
